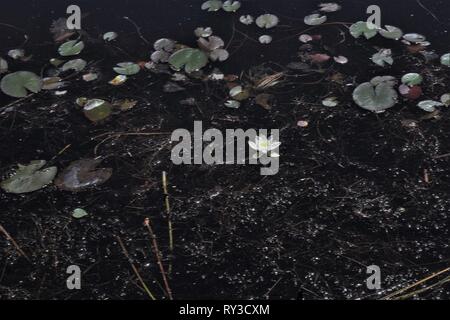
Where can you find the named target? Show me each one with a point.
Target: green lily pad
(445, 99)
(382, 57)
(267, 21)
(412, 79)
(212, 5)
(71, 48)
(315, 19)
(190, 59)
(445, 59)
(377, 97)
(76, 64)
(127, 68)
(429, 105)
(79, 213)
(369, 30)
(16, 84)
(391, 32)
(29, 178)
(97, 109)
(231, 6)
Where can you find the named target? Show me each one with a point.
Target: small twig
(14, 243)
(138, 29)
(158, 257)
(169, 216)
(118, 135)
(136, 272)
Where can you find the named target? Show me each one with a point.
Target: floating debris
(265, 100)
(302, 123)
(233, 104)
(118, 80)
(341, 59)
(305, 38)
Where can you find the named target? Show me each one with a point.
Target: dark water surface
(350, 192)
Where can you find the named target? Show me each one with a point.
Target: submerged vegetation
(349, 91)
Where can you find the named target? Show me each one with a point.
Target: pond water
(354, 188)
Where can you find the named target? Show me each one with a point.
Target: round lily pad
(188, 58)
(16, 84)
(375, 97)
(71, 48)
(445, 59)
(391, 32)
(315, 19)
(267, 21)
(231, 6)
(369, 30)
(212, 5)
(412, 79)
(97, 109)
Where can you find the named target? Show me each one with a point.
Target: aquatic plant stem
(396, 293)
(136, 272)
(169, 216)
(138, 29)
(158, 255)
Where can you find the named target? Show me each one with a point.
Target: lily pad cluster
(216, 5)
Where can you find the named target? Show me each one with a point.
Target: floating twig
(158, 256)
(138, 29)
(14, 243)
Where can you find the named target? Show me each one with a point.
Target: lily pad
(414, 37)
(212, 5)
(391, 32)
(267, 21)
(82, 174)
(231, 6)
(16, 53)
(188, 58)
(429, 105)
(203, 32)
(164, 44)
(110, 36)
(330, 102)
(445, 59)
(247, 19)
(79, 213)
(233, 104)
(16, 84)
(445, 99)
(412, 79)
(160, 56)
(76, 64)
(71, 48)
(97, 109)
(329, 7)
(375, 98)
(315, 19)
(369, 30)
(29, 178)
(265, 39)
(127, 68)
(219, 55)
(382, 57)
(3, 66)
(212, 43)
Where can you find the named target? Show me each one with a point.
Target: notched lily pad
(315, 19)
(127, 68)
(16, 84)
(382, 57)
(212, 5)
(71, 48)
(391, 32)
(429, 105)
(267, 21)
(97, 109)
(231, 6)
(412, 79)
(29, 178)
(82, 174)
(369, 30)
(375, 97)
(76, 64)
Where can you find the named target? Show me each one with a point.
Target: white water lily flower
(264, 146)
(247, 19)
